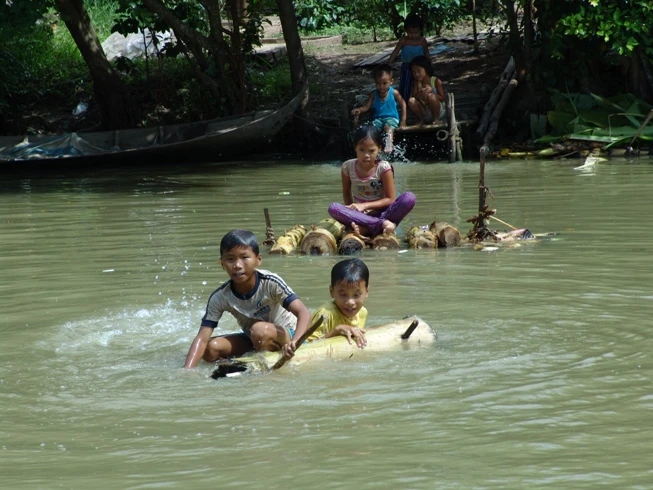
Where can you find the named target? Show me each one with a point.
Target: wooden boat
(411, 332)
(211, 140)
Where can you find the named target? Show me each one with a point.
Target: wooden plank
(429, 128)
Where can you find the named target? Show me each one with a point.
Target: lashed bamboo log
(419, 237)
(350, 244)
(289, 241)
(446, 235)
(385, 242)
(323, 238)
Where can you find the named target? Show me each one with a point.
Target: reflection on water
(539, 377)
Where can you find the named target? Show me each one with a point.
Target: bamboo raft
(410, 332)
(328, 237)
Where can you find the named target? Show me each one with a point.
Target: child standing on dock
(270, 314)
(427, 96)
(384, 102)
(412, 44)
(345, 315)
(368, 188)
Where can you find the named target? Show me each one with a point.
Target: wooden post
(482, 190)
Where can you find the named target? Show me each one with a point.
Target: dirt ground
(331, 69)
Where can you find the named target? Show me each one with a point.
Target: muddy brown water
(541, 376)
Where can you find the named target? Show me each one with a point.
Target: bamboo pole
(269, 232)
(498, 110)
(503, 222)
(506, 76)
(641, 128)
(289, 241)
(316, 324)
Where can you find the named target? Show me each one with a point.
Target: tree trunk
(293, 44)
(116, 105)
(223, 88)
(515, 39)
(296, 60)
(237, 52)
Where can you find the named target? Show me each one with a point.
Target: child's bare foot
(388, 227)
(360, 233)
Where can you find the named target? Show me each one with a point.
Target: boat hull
(209, 141)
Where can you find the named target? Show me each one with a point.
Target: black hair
(381, 70)
(368, 131)
(413, 20)
(350, 271)
(238, 238)
(424, 62)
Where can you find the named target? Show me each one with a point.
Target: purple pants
(374, 221)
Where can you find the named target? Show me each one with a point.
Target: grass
(353, 35)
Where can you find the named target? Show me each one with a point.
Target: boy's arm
(365, 107)
(298, 309)
(198, 347)
(402, 105)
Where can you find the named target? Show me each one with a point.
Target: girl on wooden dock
(427, 96)
(412, 44)
(368, 188)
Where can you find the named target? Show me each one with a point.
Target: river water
(540, 378)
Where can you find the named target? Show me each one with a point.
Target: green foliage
(621, 25)
(356, 35)
(270, 84)
(612, 120)
(313, 15)
(318, 15)
(440, 14)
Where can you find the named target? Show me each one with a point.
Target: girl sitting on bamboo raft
(368, 188)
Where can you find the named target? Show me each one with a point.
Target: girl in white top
(371, 206)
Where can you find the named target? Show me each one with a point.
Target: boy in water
(384, 100)
(345, 315)
(270, 314)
